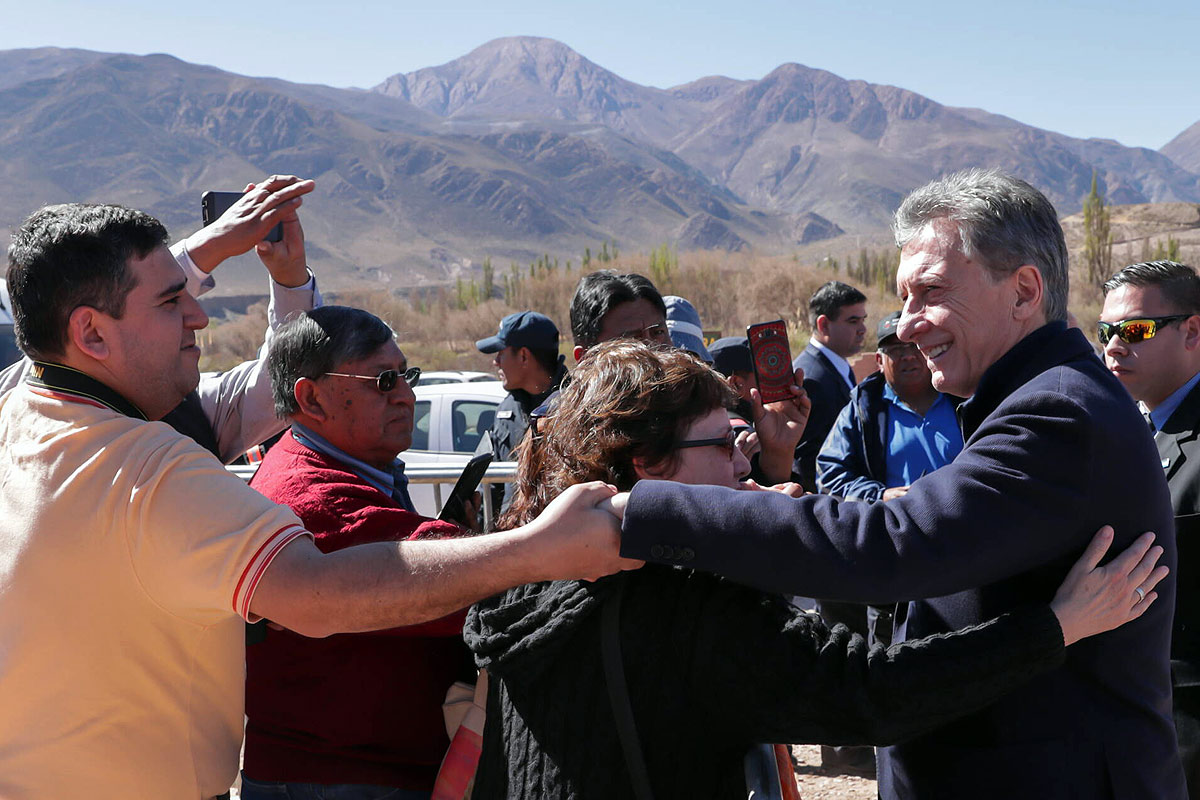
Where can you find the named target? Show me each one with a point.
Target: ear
(1191, 332)
(1030, 291)
(645, 472)
(823, 325)
(878, 360)
(309, 397)
(87, 330)
(578, 353)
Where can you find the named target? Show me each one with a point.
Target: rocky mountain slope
(1184, 149)
(799, 139)
(524, 147)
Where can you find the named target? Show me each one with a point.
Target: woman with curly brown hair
(712, 667)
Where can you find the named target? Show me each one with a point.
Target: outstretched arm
(807, 683)
(387, 584)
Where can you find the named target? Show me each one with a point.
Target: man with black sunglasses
(346, 388)
(1150, 330)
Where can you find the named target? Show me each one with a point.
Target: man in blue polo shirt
(895, 428)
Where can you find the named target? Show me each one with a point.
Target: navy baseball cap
(887, 326)
(732, 354)
(523, 329)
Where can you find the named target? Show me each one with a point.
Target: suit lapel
(839, 379)
(1180, 428)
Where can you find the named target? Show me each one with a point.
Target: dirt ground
(814, 784)
(817, 785)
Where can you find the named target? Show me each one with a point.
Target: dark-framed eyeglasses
(728, 441)
(386, 380)
(899, 350)
(1132, 331)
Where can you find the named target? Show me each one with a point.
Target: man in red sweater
(352, 715)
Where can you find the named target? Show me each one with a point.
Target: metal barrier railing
(498, 472)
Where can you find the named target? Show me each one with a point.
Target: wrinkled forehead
(936, 250)
(387, 356)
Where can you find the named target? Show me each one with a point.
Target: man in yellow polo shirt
(129, 557)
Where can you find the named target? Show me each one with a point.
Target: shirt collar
(392, 482)
(841, 364)
(1166, 408)
(67, 383)
(1047, 347)
(890, 395)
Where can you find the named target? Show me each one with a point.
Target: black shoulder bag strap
(618, 694)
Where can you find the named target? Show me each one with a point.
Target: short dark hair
(830, 299)
(598, 293)
(1179, 283)
(1003, 223)
(312, 343)
(546, 359)
(66, 256)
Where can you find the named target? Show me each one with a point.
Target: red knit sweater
(350, 708)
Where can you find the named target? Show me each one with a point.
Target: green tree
(1098, 238)
(664, 261)
(1166, 251)
(489, 278)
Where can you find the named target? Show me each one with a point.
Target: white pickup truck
(449, 422)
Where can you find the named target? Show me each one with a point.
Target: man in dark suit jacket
(1054, 449)
(1150, 329)
(837, 313)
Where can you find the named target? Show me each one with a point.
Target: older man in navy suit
(1054, 449)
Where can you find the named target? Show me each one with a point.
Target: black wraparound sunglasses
(386, 380)
(1132, 331)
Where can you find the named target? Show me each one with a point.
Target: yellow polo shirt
(128, 559)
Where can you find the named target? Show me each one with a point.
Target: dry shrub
(730, 291)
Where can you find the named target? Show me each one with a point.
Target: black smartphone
(214, 204)
(455, 510)
(772, 357)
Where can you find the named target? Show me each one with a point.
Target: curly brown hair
(626, 400)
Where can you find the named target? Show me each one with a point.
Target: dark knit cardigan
(712, 667)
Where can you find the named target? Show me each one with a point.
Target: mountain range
(524, 147)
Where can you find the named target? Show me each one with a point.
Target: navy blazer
(829, 392)
(1055, 448)
(1179, 450)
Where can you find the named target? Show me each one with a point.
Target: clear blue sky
(1118, 70)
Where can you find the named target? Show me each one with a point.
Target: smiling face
(153, 360)
(1154, 368)
(370, 425)
(955, 311)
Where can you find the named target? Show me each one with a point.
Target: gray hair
(315, 342)
(1003, 223)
